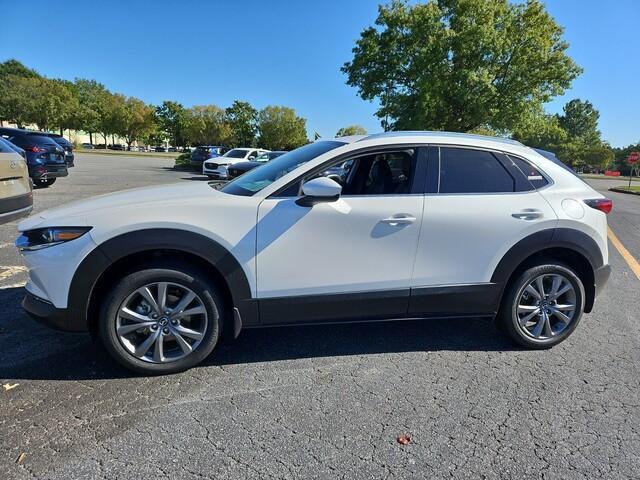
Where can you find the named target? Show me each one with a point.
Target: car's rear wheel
(40, 183)
(161, 319)
(543, 306)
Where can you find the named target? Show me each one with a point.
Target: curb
(118, 153)
(622, 190)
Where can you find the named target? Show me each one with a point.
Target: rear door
(478, 205)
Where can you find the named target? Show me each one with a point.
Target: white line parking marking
(14, 285)
(8, 272)
(6, 245)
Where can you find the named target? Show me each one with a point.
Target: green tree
(580, 121)
(242, 118)
(281, 129)
(171, 120)
(111, 108)
(48, 103)
(90, 94)
(351, 130)
(207, 125)
(574, 136)
(137, 122)
(14, 67)
(16, 103)
(460, 64)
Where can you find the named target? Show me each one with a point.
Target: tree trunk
(91, 138)
(61, 132)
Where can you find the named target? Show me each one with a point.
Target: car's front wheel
(543, 306)
(161, 319)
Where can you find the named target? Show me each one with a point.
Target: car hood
(76, 213)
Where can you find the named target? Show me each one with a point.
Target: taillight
(36, 149)
(603, 204)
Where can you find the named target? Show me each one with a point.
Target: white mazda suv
(217, 167)
(417, 225)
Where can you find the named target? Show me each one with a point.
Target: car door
(347, 259)
(478, 205)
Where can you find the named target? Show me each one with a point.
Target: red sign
(633, 157)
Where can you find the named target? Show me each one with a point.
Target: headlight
(48, 237)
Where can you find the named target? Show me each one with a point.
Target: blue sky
(285, 52)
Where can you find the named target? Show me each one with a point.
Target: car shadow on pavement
(196, 177)
(30, 351)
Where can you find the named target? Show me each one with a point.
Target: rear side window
(534, 176)
(473, 171)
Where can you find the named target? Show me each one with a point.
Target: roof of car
(430, 136)
(22, 131)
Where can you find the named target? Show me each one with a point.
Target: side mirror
(319, 190)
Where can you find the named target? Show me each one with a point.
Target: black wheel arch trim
(95, 264)
(567, 238)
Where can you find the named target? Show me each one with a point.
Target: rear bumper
(601, 276)
(15, 207)
(52, 317)
(48, 171)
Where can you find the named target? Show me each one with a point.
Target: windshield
(263, 157)
(236, 153)
(264, 175)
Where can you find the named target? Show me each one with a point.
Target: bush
(183, 161)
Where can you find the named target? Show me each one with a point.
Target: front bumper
(52, 317)
(601, 276)
(221, 171)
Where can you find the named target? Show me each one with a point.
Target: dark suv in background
(67, 146)
(45, 158)
(205, 152)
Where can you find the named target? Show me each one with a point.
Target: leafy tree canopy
(460, 64)
(171, 120)
(351, 130)
(242, 118)
(281, 129)
(207, 125)
(14, 67)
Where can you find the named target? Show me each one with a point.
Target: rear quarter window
(533, 175)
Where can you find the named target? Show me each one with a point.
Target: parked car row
(16, 196)
(48, 156)
(218, 166)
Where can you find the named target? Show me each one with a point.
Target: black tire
(177, 273)
(507, 319)
(39, 183)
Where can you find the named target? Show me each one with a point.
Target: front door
(347, 259)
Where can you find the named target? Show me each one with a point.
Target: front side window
(264, 175)
(376, 173)
(464, 170)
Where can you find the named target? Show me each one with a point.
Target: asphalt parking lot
(323, 402)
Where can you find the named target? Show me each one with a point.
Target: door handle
(527, 214)
(400, 219)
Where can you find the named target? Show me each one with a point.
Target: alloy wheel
(161, 322)
(546, 306)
